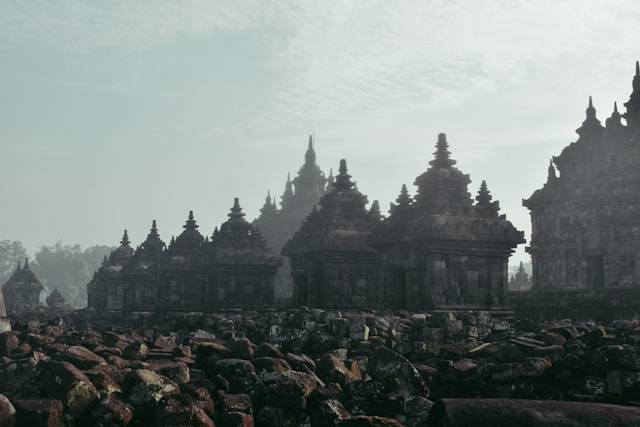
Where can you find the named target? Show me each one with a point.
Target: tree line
(66, 267)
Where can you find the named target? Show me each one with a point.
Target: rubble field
(308, 367)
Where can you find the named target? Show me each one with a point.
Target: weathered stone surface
(290, 390)
(111, 412)
(7, 412)
(80, 357)
(39, 412)
(492, 412)
(181, 412)
(145, 386)
(369, 421)
(65, 382)
(333, 370)
(271, 416)
(386, 376)
(241, 348)
(328, 413)
(178, 372)
(103, 382)
(9, 342)
(397, 373)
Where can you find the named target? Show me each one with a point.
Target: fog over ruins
(324, 215)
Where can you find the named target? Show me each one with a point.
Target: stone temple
(22, 291)
(235, 268)
(586, 218)
(438, 249)
(278, 225)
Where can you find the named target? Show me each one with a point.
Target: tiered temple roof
(341, 223)
(55, 299)
(22, 290)
(585, 228)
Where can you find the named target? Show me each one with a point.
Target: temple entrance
(595, 271)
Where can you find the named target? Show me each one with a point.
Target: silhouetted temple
(22, 291)
(300, 196)
(333, 262)
(521, 281)
(586, 218)
(439, 249)
(233, 268)
(55, 299)
(278, 225)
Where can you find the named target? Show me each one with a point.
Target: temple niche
(440, 249)
(333, 262)
(193, 274)
(278, 225)
(586, 217)
(22, 291)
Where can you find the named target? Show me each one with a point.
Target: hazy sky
(114, 113)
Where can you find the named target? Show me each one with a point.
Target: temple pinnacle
(125, 239)
(191, 222)
(442, 159)
(343, 166)
(236, 210)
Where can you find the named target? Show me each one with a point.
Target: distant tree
(68, 268)
(11, 252)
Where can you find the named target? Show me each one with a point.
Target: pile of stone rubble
(303, 367)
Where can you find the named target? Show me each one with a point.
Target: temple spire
(125, 240)
(614, 121)
(374, 211)
(153, 233)
(191, 222)
(310, 155)
(591, 112)
(343, 180)
(269, 208)
(331, 179)
(442, 155)
(26, 263)
(484, 196)
(236, 211)
(591, 126)
(404, 199)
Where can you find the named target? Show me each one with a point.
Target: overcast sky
(114, 113)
